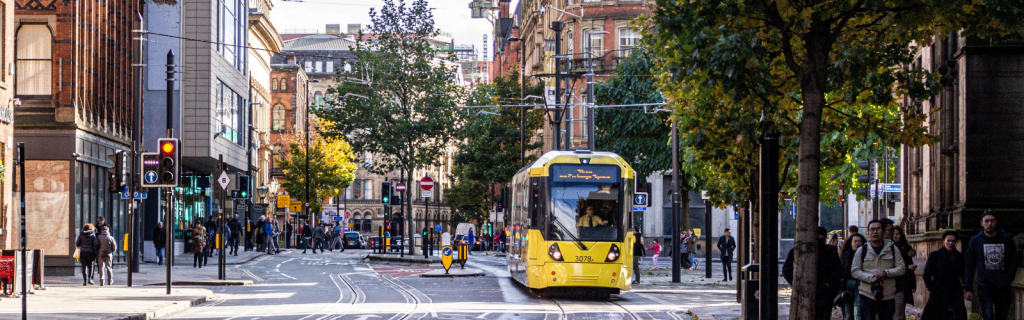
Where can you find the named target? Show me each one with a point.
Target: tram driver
(590, 220)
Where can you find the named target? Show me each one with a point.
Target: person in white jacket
(877, 265)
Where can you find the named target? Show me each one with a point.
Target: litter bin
(751, 286)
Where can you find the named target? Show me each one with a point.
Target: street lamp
(262, 191)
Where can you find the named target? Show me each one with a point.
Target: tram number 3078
(584, 259)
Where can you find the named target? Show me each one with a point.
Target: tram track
(561, 315)
(357, 297)
(407, 294)
(631, 314)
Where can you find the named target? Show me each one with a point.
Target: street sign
(426, 194)
(295, 206)
(437, 228)
(338, 218)
(283, 201)
(635, 208)
(640, 199)
(400, 187)
(150, 176)
(426, 183)
(136, 195)
(224, 180)
(874, 192)
(704, 195)
(446, 258)
(892, 188)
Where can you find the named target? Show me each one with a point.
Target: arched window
(34, 60)
(284, 84)
(357, 221)
(278, 117)
(273, 84)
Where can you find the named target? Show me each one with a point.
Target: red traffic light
(167, 147)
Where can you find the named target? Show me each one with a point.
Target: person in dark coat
(250, 228)
(307, 236)
(236, 232)
(829, 276)
(851, 293)
(907, 284)
(992, 255)
(638, 252)
(159, 239)
(88, 247)
(943, 276)
(726, 244)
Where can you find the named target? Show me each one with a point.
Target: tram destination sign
(584, 173)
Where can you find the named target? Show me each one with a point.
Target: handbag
(78, 252)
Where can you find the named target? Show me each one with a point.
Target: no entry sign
(426, 183)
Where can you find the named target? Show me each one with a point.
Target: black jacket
(830, 279)
(235, 226)
(1001, 265)
(943, 279)
(726, 245)
(638, 248)
(159, 237)
(307, 231)
(847, 259)
(909, 280)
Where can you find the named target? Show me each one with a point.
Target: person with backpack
(338, 237)
(943, 276)
(88, 246)
(877, 265)
(106, 256)
(198, 245)
(691, 246)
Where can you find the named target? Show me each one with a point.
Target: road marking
(241, 314)
(287, 276)
(482, 316)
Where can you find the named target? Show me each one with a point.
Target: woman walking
(943, 276)
(906, 285)
(690, 246)
(850, 295)
(656, 249)
(198, 245)
(88, 246)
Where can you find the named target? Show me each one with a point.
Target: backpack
(865, 247)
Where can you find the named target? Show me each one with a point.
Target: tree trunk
(805, 258)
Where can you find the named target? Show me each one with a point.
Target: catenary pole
(769, 207)
(676, 257)
(168, 235)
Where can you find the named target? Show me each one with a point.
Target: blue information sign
(437, 228)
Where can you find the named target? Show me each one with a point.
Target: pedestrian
(318, 237)
(260, 231)
(339, 238)
(829, 282)
(211, 233)
(691, 246)
(105, 257)
(250, 229)
(655, 252)
(236, 232)
(638, 252)
(159, 240)
(877, 265)
(268, 236)
(833, 239)
(850, 296)
(100, 223)
(88, 246)
(288, 230)
(471, 240)
(684, 253)
(726, 244)
(943, 276)
(993, 255)
(277, 234)
(198, 245)
(906, 285)
(307, 237)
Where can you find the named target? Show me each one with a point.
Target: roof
(319, 42)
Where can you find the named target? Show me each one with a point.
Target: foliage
(490, 150)
(825, 71)
(331, 169)
(399, 101)
(638, 137)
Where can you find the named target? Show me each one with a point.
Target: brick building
(977, 119)
(77, 89)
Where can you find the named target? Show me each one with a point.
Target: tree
(828, 68)
(331, 169)
(636, 136)
(489, 153)
(399, 101)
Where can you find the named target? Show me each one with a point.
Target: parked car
(354, 241)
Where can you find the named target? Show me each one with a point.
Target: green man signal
(385, 192)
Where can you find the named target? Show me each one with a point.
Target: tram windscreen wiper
(574, 238)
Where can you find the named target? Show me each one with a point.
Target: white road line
(287, 276)
(482, 316)
(241, 314)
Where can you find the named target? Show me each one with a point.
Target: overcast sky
(449, 15)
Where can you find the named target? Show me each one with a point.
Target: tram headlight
(613, 254)
(554, 252)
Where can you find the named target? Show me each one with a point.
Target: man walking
(236, 232)
(288, 231)
(307, 238)
(638, 252)
(105, 257)
(877, 265)
(268, 236)
(318, 238)
(726, 244)
(277, 233)
(159, 239)
(993, 255)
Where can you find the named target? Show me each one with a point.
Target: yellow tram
(570, 223)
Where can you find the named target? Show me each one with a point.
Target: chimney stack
(290, 60)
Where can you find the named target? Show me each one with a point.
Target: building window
(319, 66)
(278, 116)
(570, 44)
(229, 113)
(330, 66)
(284, 84)
(348, 67)
(595, 45)
(318, 99)
(367, 189)
(627, 40)
(229, 31)
(34, 60)
(356, 189)
(309, 66)
(273, 84)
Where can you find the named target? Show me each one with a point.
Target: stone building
(77, 89)
(9, 215)
(264, 42)
(976, 118)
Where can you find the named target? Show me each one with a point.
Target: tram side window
(537, 207)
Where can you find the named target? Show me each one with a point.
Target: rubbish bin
(751, 286)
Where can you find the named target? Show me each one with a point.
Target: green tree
(399, 102)
(638, 137)
(489, 154)
(830, 69)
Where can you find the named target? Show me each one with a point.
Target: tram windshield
(585, 202)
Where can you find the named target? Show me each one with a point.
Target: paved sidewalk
(154, 274)
(117, 302)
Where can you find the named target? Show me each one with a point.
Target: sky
(449, 15)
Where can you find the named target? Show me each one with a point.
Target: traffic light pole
(769, 210)
(676, 257)
(168, 227)
(221, 270)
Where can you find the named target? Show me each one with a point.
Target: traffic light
(867, 179)
(161, 169)
(118, 173)
(385, 192)
(243, 187)
(396, 199)
(424, 231)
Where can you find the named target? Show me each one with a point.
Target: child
(656, 249)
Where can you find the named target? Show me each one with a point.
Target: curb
(461, 273)
(178, 306)
(206, 283)
(417, 260)
(241, 262)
